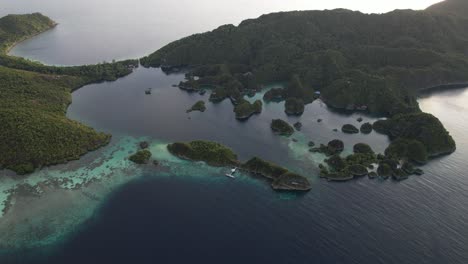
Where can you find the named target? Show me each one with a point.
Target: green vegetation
(349, 129)
(373, 62)
(294, 106)
(212, 153)
(33, 100)
(275, 95)
(332, 148)
(366, 128)
(16, 28)
(281, 127)
(422, 127)
(265, 168)
(412, 150)
(359, 62)
(362, 148)
(141, 157)
(282, 178)
(198, 106)
(244, 109)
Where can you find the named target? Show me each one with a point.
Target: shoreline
(8, 48)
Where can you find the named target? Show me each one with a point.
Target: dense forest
(375, 63)
(355, 59)
(33, 101)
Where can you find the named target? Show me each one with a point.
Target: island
(198, 106)
(34, 97)
(366, 128)
(281, 127)
(212, 153)
(141, 157)
(244, 109)
(218, 155)
(350, 129)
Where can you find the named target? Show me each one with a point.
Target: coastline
(11, 46)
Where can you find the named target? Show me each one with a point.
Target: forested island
(374, 63)
(218, 155)
(33, 101)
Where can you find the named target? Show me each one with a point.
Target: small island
(141, 157)
(217, 155)
(349, 129)
(365, 162)
(366, 128)
(244, 109)
(281, 127)
(198, 106)
(212, 153)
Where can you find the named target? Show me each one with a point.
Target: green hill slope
(34, 130)
(390, 56)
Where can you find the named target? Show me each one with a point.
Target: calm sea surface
(211, 219)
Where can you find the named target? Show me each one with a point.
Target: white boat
(231, 175)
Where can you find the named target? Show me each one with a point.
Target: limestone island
(244, 109)
(361, 163)
(215, 154)
(198, 106)
(349, 129)
(281, 127)
(141, 157)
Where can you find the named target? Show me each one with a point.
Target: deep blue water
(181, 219)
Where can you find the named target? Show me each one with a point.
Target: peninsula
(33, 101)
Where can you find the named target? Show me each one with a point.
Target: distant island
(34, 130)
(373, 63)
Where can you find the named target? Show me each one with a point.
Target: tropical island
(198, 106)
(217, 155)
(34, 98)
(352, 61)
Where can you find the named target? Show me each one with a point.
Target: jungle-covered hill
(360, 62)
(354, 59)
(34, 130)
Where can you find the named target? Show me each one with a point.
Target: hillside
(34, 130)
(378, 61)
(451, 7)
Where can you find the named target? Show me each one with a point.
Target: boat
(231, 175)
